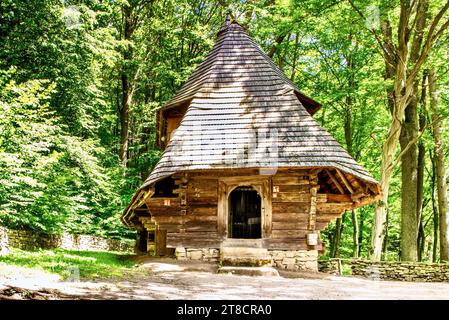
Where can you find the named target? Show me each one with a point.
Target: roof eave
(311, 105)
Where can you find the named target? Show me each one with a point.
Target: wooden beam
(345, 181)
(335, 181)
(338, 197)
(315, 171)
(366, 200)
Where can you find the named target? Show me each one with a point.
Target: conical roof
(245, 113)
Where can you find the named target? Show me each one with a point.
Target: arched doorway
(245, 213)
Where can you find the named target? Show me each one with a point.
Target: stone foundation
(301, 260)
(28, 240)
(209, 255)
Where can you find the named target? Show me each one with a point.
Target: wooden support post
(312, 211)
(221, 219)
(182, 194)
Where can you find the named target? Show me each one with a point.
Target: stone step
(244, 256)
(249, 271)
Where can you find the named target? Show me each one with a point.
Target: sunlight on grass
(91, 264)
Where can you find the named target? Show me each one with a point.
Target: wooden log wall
(191, 222)
(191, 218)
(291, 207)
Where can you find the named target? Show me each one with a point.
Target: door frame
(262, 184)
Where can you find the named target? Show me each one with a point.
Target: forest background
(80, 82)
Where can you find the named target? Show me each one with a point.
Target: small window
(164, 188)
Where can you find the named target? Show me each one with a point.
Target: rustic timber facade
(247, 175)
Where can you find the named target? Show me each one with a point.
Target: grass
(71, 263)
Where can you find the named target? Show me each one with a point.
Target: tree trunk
(385, 243)
(126, 88)
(409, 184)
(349, 144)
(295, 58)
(339, 226)
(124, 122)
(274, 48)
(420, 169)
(435, 211)
(409, 133)
(440, 169)
(380, 215)
(362, 223)
(355, 234)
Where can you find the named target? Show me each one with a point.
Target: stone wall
(332, 266)
(300, 260)
(390, 270)
(28, 240)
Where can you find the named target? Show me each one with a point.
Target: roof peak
(229, 21)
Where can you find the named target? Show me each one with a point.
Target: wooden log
(286, 207)
(202, 211)
(333, 207)
(293, 188)
(345, 181)
(279, 234)
(300, 180)
(291, 197)
(335, 181)
(338, 197)
(290, 225)
(292, 216)
(165, 211)
(201, 227)
(293, 243)
(160, 202)
(202, 218)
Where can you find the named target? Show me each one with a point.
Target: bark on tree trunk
(420, 169)
(126, 87)
(124, 122)
(362, 223)
(339, 225)
(435, 212)
(408, 139)
(355, 235)
(440, 169)
(409, 223)
(349, 144)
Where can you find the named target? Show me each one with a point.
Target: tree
(404, 64)
(440, 170)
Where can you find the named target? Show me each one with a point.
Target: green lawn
(67, 263)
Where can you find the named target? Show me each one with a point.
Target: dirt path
(169, 279)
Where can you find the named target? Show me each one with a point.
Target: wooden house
(247, 175)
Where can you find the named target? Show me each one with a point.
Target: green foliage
(61, 90)
(50, 181)
(91, 264)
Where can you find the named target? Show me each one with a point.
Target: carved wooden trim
(227, 184)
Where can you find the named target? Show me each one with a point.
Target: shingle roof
(241, 106)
